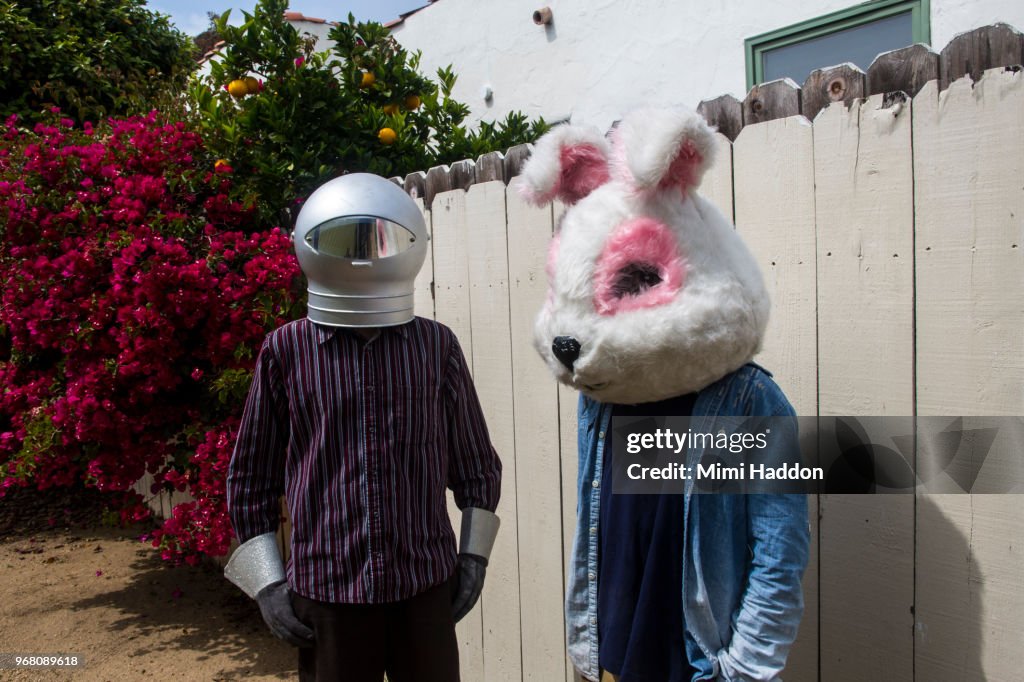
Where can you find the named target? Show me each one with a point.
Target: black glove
(469, 572)
(276, 607)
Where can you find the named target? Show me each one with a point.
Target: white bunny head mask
(652, 292)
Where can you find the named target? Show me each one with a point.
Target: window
(857, 35)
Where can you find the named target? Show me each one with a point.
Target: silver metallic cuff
(479, 528)
(255, 564)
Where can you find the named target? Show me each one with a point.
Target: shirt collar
(324, 332)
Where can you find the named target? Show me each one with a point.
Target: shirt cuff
(479, 528)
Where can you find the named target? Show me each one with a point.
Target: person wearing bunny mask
(656, 307)
(361, 415)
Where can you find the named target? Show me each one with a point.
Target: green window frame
(831, 23)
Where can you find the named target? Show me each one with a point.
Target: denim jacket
(745, 554)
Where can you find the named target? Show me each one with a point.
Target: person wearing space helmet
(361, 415)
(656, 309)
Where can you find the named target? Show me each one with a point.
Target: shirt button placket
(372, 465)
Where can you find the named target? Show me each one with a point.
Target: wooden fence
(889, 232)
(890, 235)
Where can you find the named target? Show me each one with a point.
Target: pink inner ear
(683, 171)
(639, 241)
(584, 169)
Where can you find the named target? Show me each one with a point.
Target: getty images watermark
(751, 455)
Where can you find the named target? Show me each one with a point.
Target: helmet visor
(360, 238)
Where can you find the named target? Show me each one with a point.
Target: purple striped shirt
(362, 438)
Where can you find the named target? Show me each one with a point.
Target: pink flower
(299, 61)
(134, 268)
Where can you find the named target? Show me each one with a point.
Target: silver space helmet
(360, 240)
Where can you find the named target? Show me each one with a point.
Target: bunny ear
(568, 163)
(662, 148)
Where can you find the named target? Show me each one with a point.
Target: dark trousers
(411, 640)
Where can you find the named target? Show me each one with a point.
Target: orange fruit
(252, 85)
(390, 109)
(238, 88)
(368, 79)
(412, 102)
(387, 136)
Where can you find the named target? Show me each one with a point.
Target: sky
(190, 15)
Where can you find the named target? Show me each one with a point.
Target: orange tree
(92, 59)
(285, 117)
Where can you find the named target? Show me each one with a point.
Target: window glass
(858, 44)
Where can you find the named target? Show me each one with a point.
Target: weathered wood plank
(725, 113)
(769, 101)
(462, 174)
(492, 363)
(843, 83)
(514, 160)
(906, 69)
(983, 48)
(865, 216)
(449, 231)
(415, 184)
(539, 496)
(438, 180)
(773, 168)
(968, 173)
(490, 167)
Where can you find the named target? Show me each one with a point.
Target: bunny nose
(566, 349)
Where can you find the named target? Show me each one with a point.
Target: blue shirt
(744, 555)
(641, 559)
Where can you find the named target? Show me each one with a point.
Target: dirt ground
(69, 586)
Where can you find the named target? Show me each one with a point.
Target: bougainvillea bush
(134, 298)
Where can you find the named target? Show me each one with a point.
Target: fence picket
(514, 160)
(492, 363)
(773, 170)
(769, 101)
(906, 69)
(725, 113)
(438, 180)
(843, 83)
(415, 185)
(968, 175)
(491, 167)
(717, 183)
(451, 294)
(865, 217)
(539, 493)
(462, 174)
(971, 53)
(423, 287)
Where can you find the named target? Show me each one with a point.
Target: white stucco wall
(600, 58)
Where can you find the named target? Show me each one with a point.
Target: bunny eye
(634, 279)
(641, 266)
